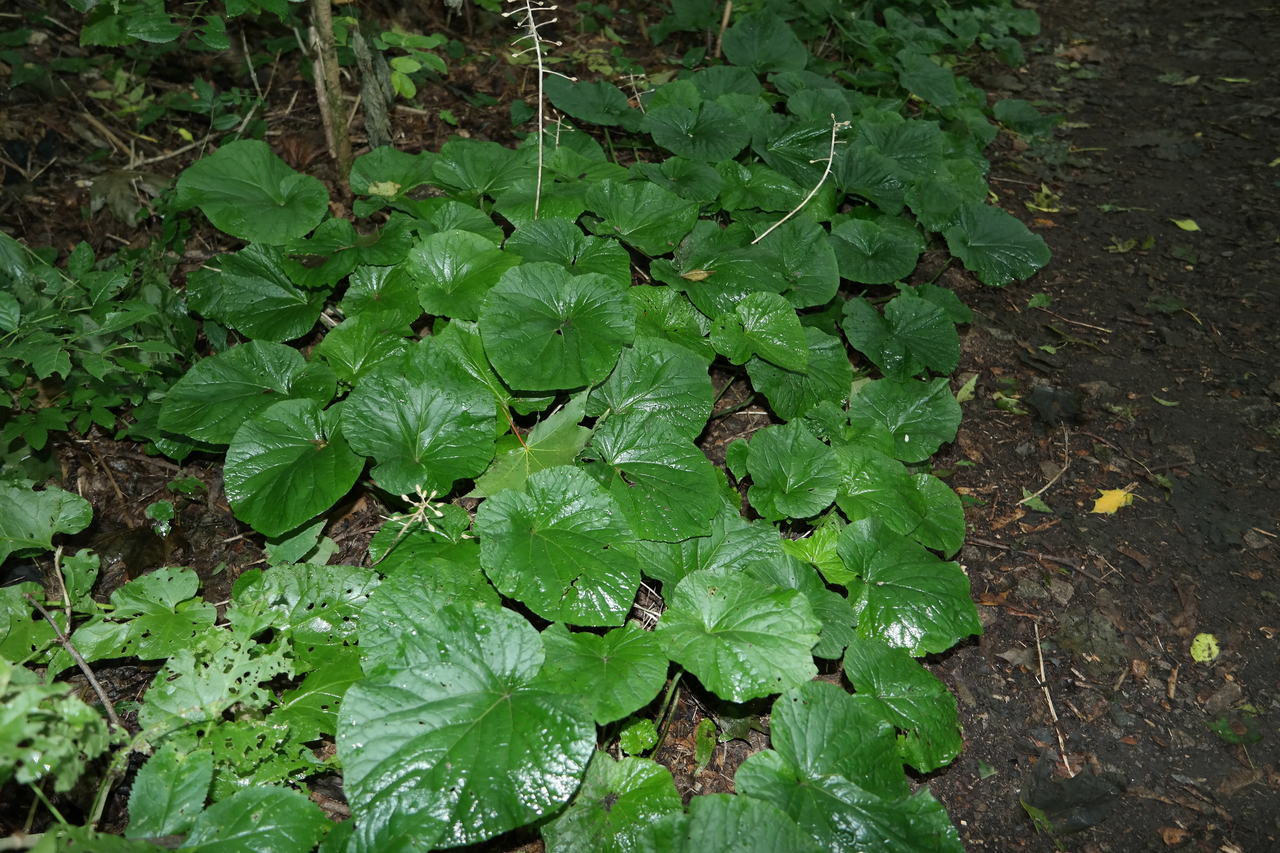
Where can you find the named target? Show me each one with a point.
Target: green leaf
(559, 547)
(993, 244)
(792, 393)
(554, 441)
(169, 792)
(46, 734)
(663, 312)
(250, 193)
(664, 485)
(728, 824)
(763, 42)
(904, 594)
(597, 102)
(839, 814)
(452, 753)
(614, 673)
(937, 196)
(912, 336)
(313, 608)
(562, 242)
(251, 293)
(707, 133)
(642, 214)
(756, 186)
(259, 820)
(287, 464)
(763, 325)
(716, 267)
(820, 730)
(382, 290)
(616, 803)
(688, 179)
(793, 475)
(454, 271)
(898, 689)
(545, 329)
(218, 394)
(657, 379)
(424, 420)
(926, 79)
(921, 416)
(360, 343)
(803, 253)
(831, 608)
(29, 519)
(741, 638)
(732, 544)
(876, 251)
(874, 485)
(387, 173)
(473, 168)
(310, 711)
(942, 527)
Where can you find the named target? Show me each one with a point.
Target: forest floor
(1144, 358)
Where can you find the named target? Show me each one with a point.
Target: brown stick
(80, 662)
(329, 88)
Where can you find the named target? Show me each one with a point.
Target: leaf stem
(836, 126)
(667, 711)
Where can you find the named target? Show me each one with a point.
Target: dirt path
(1152, 364)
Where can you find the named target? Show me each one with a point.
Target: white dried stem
(525, 10)
(836, 127)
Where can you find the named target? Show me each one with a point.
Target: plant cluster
(523, 350)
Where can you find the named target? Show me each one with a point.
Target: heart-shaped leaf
(921, 416)
(627, 664)
(562, 242)
(423, 419)
(913, 335)
(657, 379)
(792, 393)
(454, 271)
(617, 802)
(741, 638)
(30, 519)
(764, 325)
(559, 547)
(707, 133)
(286, 464)
(545, 329)
(250, 292)
(250, 193)
(995, 245)
(642, 214)
(876, 251)
(793, 475)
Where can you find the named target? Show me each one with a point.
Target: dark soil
(1148, 365)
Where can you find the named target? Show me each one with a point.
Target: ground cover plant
(516, 346)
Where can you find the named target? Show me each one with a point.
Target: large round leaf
(741, 638)
(803, 253)
(904, 594)
(657, 379)
(912, 336)
(218, 394)
(424, 419)
(792, 393)
(614, 673)
(733, 543)
(765, 325)
(642, 214)
(617, 802)
(793, 475)
(598, 102)
(708, 132)
(559, 547)
(921, 416)
(561, 241)
(995, 245)
(454, 752)
(286, 464)
(898, 689)
(251, 293)
(763, 42)
(454, 271)
(876, 251)
(874, 485)
(545, 329)
(727, 824)
(250, 193)
(665, 486)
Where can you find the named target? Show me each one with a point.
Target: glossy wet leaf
(545, 329)
(250, 292)
(457, 751)
(942, 528)
(993, 244)
(803, 254)
(792, 393)
(876, 251)
(664, 485)
(616, 803)
(727, 824)
(903, 594)
(642, 214)
(716, 267)
(763, 325)
(30, 519)
(741, 638)
(561, 241)
(658, 379)
(895, 687)
(169, 792)
(554, 441)
(360, 343)
(423, 419)
(874, 485)
(663, 312)
(286, 464)
(559, 547)
(250, 193)
(708, 133)
(793, 475)
(454, 271)
(472, 168)
(731, 544)
(259, 820)
(626, 665)
(219, 393)
(911, 336)
(921, 416)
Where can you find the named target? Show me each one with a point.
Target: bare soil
(1149, 364)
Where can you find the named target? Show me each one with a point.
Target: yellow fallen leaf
(1186, 224)
(1112, 500)
(1204, 648)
